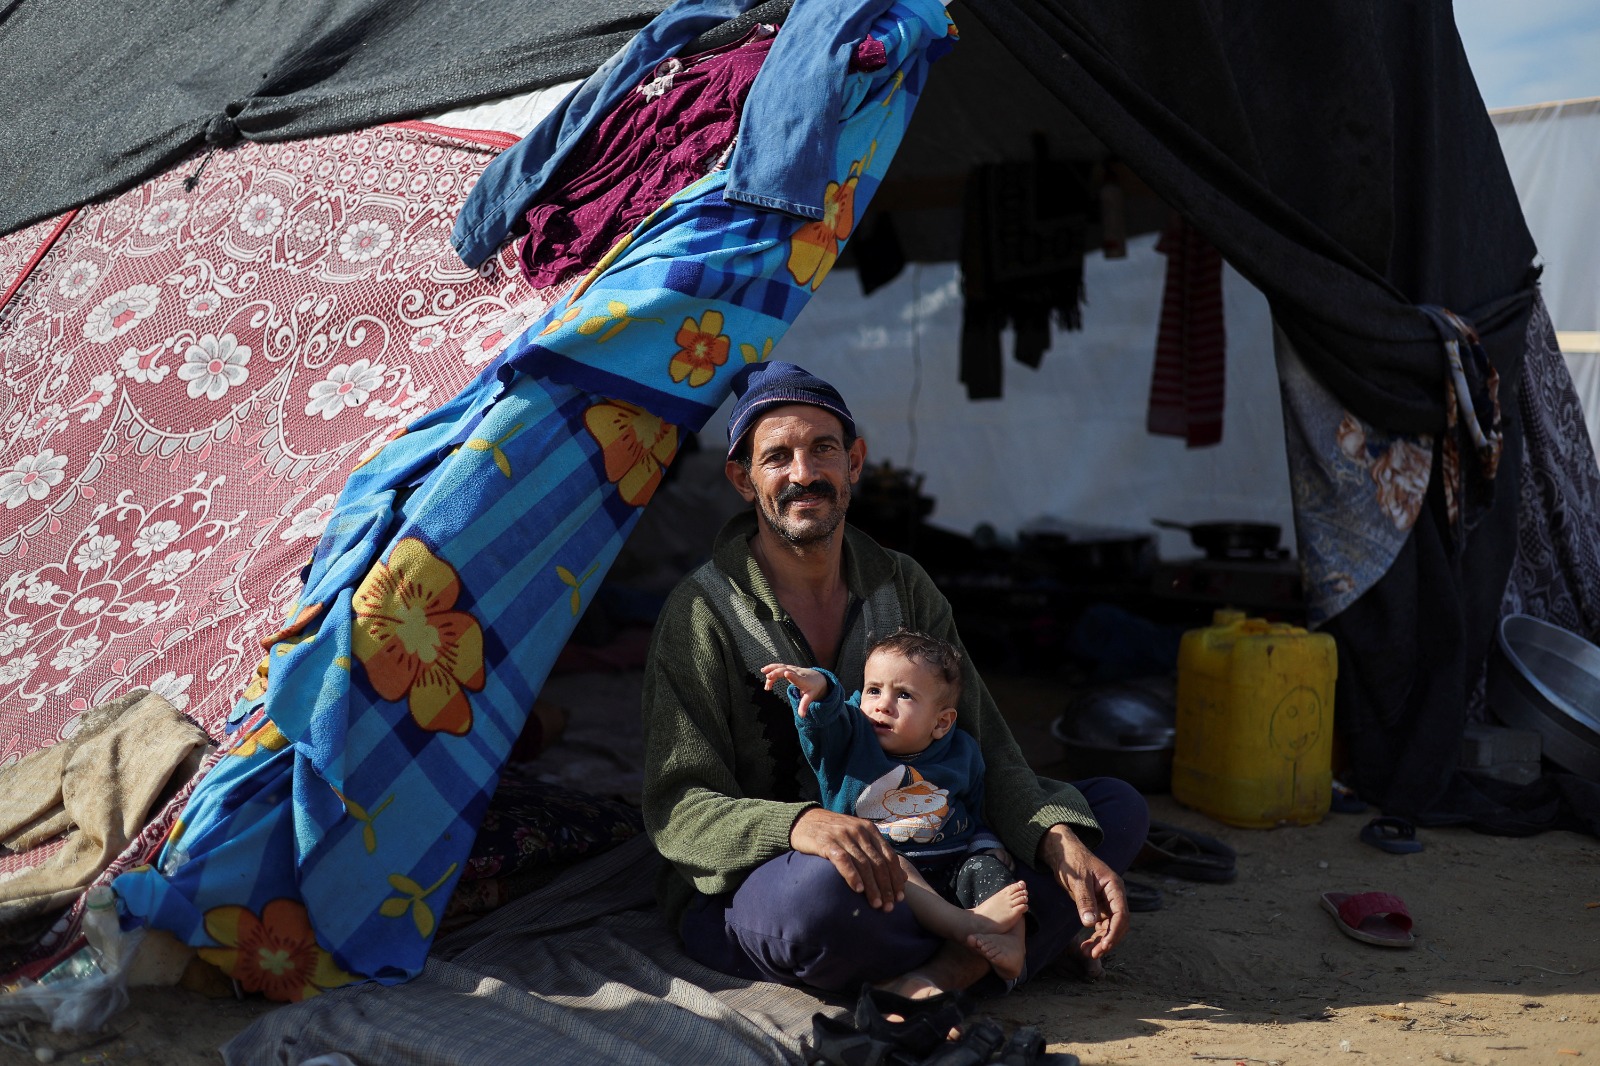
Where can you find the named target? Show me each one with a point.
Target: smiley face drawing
(906, 806)
(1296, 723)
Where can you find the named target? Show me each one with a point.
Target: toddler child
(891, 754)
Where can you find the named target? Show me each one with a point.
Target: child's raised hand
(812, 685)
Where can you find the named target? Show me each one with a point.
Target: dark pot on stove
(1229, 540)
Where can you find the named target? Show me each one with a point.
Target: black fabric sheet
(102, 94)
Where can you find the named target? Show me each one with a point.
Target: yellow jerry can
(1254, 745)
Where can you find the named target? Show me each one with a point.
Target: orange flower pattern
(702, 347)
(293, 633)
(565, 317)
(276, 954)
(411, 641)
(266, 738)
(636, 446)
(815, 246)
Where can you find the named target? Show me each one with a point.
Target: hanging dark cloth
(1022, 238)
(1188, 381)
(879, 256)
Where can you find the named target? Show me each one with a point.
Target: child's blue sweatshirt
(929, 805)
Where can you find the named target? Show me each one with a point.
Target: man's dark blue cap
(759, 386)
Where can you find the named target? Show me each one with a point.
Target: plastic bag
(75, 996)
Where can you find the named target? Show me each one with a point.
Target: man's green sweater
(725, 779)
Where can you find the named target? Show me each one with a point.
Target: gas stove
(1266, 585)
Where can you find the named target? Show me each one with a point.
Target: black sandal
(925, 1023)
(978, 1044)
(1178, 852)
(839, 1043)
(1026, 1048)
(1142, 898)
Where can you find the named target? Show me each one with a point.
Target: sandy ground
(1506, 968)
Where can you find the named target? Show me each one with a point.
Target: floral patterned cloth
(186, 378)
(457, 559)
(158, 509)
(1357, 489)
(1557, 573)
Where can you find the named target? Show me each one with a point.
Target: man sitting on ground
(761, 881)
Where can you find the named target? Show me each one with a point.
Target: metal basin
(1118, 731)
(1547, 679)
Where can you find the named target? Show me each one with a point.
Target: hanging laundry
(675, 127)
(1021, 260)
(1187, 385)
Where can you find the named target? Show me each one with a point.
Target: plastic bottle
(103, 929)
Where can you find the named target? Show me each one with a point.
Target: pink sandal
(1372, 917)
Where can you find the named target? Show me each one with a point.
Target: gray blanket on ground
(583, 971)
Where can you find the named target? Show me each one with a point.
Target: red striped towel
(1187, 385)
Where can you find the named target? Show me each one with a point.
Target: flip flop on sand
(1345, 800)
(1394, 835)
(1371, 917)
(1178, 852)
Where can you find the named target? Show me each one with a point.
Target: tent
(1244, 121)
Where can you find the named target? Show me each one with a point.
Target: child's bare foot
(1005, 908)
(1006, 952)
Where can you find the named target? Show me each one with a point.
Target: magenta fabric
(670, 130)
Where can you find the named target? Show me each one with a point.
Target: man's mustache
(817, 488)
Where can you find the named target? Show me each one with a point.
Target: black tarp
(99, 95)
(1337, 154)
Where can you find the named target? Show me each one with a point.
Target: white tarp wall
(1553, 153)
(1068, 440)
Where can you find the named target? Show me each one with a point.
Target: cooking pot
(1229, 540)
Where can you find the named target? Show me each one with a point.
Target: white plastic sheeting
(1553, 153)
(1068, 440)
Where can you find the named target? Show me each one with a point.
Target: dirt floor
(1506, 968)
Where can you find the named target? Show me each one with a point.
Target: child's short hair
(940, 656)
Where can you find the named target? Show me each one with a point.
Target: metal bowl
(1547, 680)
(1121, 730)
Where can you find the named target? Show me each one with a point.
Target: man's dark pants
(796, 921)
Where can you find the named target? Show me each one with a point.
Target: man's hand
(812, 685)
(857, 850)
(1094, 888)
